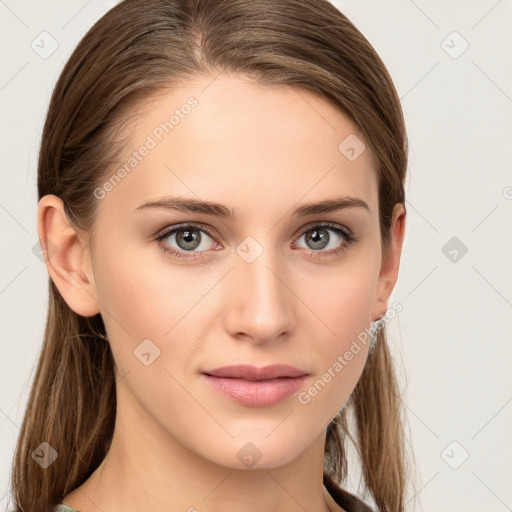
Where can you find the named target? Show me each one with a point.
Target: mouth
(256, 387)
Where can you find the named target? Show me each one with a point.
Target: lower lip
(257, 393)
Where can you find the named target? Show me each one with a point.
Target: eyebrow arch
(219, 210)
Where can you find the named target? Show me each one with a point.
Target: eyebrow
(219, 210)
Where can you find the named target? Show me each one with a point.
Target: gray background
(452, 339)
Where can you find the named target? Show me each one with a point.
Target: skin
(262, 151)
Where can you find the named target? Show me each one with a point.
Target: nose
(259, 301)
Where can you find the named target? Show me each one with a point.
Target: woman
(221, 207)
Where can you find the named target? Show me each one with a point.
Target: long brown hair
(136, 50)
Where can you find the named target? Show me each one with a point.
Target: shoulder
(64, 508)
(344, 499)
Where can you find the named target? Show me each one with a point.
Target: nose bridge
(262, 307)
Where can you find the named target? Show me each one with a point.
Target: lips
(248, 372)
(256, 387)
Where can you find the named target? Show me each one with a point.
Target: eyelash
(348, 236)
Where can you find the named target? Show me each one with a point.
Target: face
(184, 291)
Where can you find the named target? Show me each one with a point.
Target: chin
(256, 451)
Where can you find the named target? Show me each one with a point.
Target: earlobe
(391, 262)
(66, 256)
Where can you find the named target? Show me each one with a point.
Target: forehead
(234, 141)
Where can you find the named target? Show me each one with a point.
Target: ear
(390, 262)
(67, 256)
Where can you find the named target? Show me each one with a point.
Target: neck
(148, 469)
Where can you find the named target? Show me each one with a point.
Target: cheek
(344, 306)
(131, 295)
(136, 285)
(144, 297)
(344, 298)
(340, 354)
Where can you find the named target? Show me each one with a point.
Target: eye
(188, 238)
(317, 238)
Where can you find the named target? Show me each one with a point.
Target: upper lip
(249, 372)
